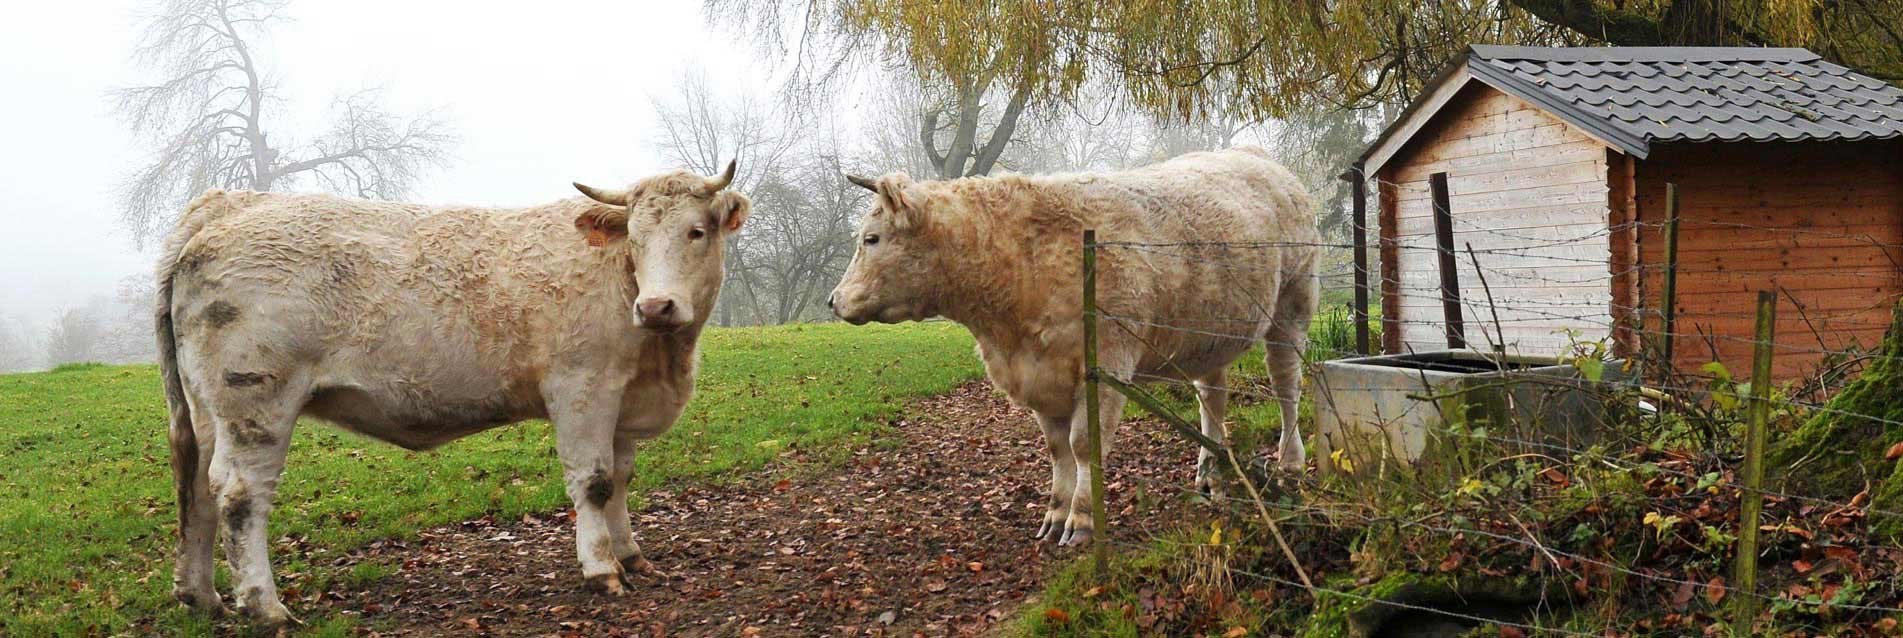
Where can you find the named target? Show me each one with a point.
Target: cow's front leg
(620, 528)
(1063, 474)
(1081, 525)
(584, 417)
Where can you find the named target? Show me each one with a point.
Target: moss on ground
(1841, 448)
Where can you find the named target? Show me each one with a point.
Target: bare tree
(210, 117)
(16, 350)
(701, 131)
(74, 338)
(799, 237)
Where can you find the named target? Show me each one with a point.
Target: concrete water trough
(1394, 408)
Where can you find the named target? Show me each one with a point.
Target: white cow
(418, 325)
(1001, 255)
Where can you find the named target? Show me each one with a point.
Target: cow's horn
(714, 184)
(609, 197)
(862, 182)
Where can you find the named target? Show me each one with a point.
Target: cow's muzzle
(659, 314)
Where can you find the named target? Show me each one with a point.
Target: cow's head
(674, 225)
(893, 275)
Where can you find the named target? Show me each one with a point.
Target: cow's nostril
(656, 309)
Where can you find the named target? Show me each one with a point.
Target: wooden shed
(1556, 162)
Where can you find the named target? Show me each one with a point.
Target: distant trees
(979, 67)
(116, 329)
(17, 351)
(74, 337)
(211, 115)
(784, 262)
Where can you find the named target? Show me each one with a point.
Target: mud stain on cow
(220, 314)
(246, 379)
(236, 515)
(194, 260)
(600, 490)
(249, 433)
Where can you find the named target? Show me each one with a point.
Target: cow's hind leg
(1212, 402)
(253, 414)
(1081, 525)
(1287, 338)
(192, 439)
(1063, 475)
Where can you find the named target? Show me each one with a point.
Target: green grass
(87, 518)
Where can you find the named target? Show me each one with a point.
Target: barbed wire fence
(1546, 293)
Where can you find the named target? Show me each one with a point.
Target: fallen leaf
(1801, 565)
(1235, 632)
(1683, 595)
(1553, 474)
(1511, 632)
(1895, 452)
(1715, 590)
(1056, 615)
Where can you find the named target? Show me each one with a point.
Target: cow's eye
(696, 233)
(872, 239)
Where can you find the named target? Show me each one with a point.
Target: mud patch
(220, 314)
(928, 534)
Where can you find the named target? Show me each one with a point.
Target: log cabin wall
(1819, 222)
(1530, 194)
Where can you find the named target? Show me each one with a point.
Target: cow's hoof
(204, 602)
(1050, 531)
(638, 564)
(271, 615)
(609, 584)
(1209, 487)
(1076, 537)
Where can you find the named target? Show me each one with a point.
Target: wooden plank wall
(1820, 222)
(1530, 194)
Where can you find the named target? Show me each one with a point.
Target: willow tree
(1275, 57)
(982, 64)
(1255, 58)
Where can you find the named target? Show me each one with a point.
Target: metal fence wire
(1497, 293)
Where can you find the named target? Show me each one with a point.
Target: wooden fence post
(1751, 505)
(1360, 311)
(1098, 515)
(1670, 308)
(1449, 266)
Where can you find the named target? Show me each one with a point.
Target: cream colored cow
(1001, 255)
(418, 325)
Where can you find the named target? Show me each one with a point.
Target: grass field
(87, 518)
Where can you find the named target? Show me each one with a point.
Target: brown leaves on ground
(930, 535)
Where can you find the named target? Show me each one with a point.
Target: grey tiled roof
(1633, 96)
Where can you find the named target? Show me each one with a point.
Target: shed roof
(1630, 97)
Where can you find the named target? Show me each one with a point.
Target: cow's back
(1200, 249)
(415, 324)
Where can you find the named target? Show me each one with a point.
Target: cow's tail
(184, 441)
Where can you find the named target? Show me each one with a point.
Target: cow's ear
(899, 194)
(731, 209)
(603, 224)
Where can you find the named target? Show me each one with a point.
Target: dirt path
(931, 535)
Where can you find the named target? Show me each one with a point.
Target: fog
(541, 97)
(512, 103)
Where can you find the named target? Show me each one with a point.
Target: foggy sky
(542, 94)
